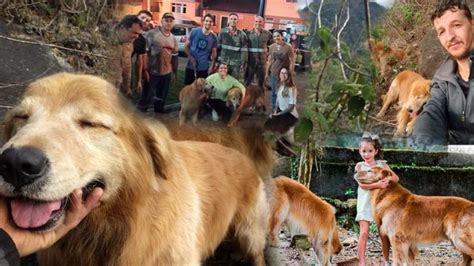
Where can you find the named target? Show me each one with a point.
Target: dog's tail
(249, 141)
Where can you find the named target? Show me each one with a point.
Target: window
(291, 1)
(178, 8)
(155, 7)
(224, 21)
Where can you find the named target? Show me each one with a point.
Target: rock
(349, 241)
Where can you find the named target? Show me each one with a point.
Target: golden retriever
(233, 98)
(385, 56)
(254, 98)
(192, 98)
(410, 220)
(412, 92)
(304, 213)
(165, 202)
(250, 141)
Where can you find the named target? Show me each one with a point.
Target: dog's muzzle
(23, 166)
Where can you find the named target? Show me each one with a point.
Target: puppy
(412, 92)
(410, 220)
(192, 98)
(303, 213)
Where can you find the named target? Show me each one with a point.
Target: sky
(385, 3)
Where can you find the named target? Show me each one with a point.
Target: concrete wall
(424, 173)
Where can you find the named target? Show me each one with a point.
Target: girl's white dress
(364, 209)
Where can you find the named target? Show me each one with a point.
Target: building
(279, 14)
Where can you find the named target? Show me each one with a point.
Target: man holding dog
(201, 45)
(448, 117)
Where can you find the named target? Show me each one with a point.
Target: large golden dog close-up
(411, 220)
(165, 202)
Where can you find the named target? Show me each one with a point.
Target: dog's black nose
(22, 166)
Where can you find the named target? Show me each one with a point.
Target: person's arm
(432, 125)
(269, 63)
(393, 177)
(140, 66)
(244, 52)
(379, 184)
(213, 55)
(175, 59)
(187, 48)
(28, 242)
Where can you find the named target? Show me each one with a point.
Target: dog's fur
(409, 220)
(165, 202)
(412, 92)
(385, 56)
(192, 98)
(303, 213)
(250, 141)
(254, 97)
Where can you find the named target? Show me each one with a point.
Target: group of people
(148, 57)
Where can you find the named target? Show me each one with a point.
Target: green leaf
(303, 129)
(323, 122)
(368, 92)
(324, 35)
(356, 105)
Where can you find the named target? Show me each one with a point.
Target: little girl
(284, 115)
(370, 149)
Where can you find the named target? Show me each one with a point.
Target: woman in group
(284, 115)
(281, 55)
(222, 83)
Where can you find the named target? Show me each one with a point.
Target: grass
(175, 87)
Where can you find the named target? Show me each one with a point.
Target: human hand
(383, 183)
(139, 87)
(28, 242)
(192, 60)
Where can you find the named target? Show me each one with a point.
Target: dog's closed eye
(84, 123)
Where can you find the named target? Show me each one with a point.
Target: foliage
(79, 28)
(349, 192)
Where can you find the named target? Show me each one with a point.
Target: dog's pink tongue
(414, 114)
(32, 214)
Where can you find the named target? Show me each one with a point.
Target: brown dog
(412, 92)
(165, 202)
(385, 56)
(192, 98)
(234, 98)
(305, 213)
(409, 220)
(254, 98)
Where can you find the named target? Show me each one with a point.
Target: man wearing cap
(233, 44)
(258, 41)
(161, 47)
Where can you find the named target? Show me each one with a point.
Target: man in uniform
(258, 41)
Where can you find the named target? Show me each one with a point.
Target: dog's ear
(386, 173)
(158, 147)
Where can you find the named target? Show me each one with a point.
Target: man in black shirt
(139, 52)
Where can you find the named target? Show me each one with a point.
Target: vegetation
(77, 30)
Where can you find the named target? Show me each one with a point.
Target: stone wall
(424, 173)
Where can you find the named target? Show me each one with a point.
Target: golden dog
(412, 92)
(303, 212)
(409, 220)
(254, 98)
(385, 56)
(233, 99)
(192, 98)
(165, 202)
(250, 141)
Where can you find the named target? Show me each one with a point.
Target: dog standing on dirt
(165, 202)
(410, 220)
(192, 98)
(304, 213)
(412, 92)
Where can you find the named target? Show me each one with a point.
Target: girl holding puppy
(370, 149)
